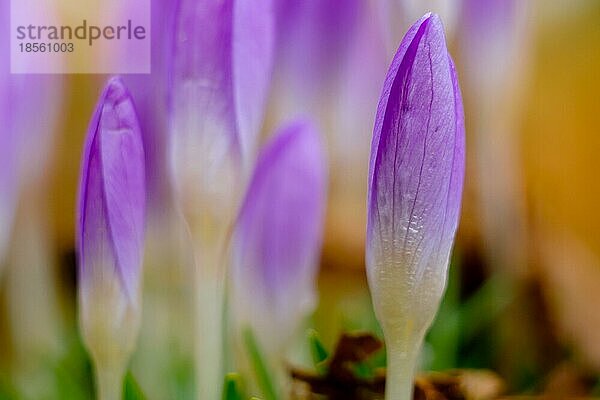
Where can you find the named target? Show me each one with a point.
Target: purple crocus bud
(325, 30)
(220, 81)
(495, 42)
(25, 136)
(414, 194)
(494, 32)
(110, 236)
(221, 69)
(277, 238)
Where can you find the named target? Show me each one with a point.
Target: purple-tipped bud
(221, 67)
(414, 195)
(277, 239)
(110, 237)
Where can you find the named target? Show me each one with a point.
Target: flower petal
(277, 238)
(221, 68)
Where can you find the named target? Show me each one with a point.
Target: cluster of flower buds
(270, 237)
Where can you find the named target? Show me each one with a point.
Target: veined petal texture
(277, 239)
(415, 178)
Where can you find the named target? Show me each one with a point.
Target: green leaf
(232, 389)
(131, 389)
(317, 350)
(259, 366)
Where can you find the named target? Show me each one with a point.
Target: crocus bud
(307, 27)
(110, 237)
(277, 238)
(414, 194)
(495, 42)
(24, 136)
(220, 82)
(220, 77)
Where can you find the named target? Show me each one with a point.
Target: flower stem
(400, 374)
(109, 383)
(210, 293)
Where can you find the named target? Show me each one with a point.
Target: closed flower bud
(414, 194)
(221, 67)
(110, 237)
(277, 238)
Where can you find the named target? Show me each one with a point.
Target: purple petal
(221, 67)
(417, 157)
(112, 190)
(277, 239)
(252, 59)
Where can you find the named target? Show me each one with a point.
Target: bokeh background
(524, 286)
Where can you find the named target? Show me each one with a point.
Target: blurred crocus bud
(492, 33)
(110, 237)
(8, 150)
(277, 238)
(325, 30)
(415, 188)
(221, 66)
(166, 324)
(7, 143)
(25, 137)
(220, 81)
(495, 42)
